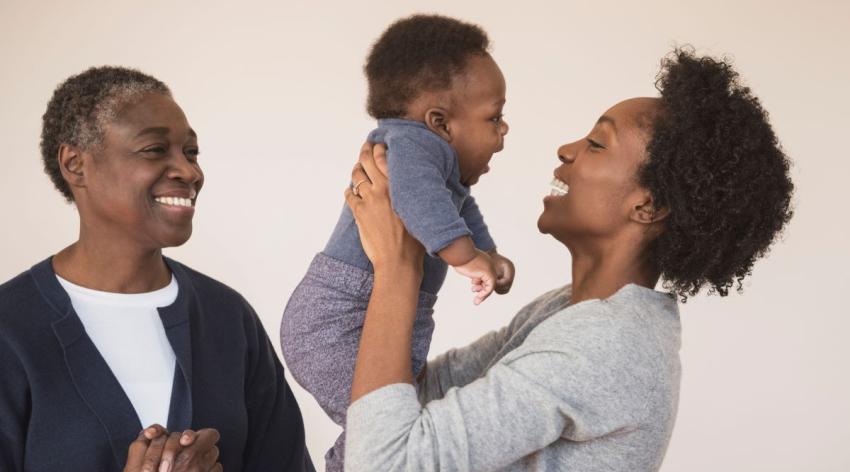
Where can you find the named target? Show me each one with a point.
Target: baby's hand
(504, 272)
(483, 274)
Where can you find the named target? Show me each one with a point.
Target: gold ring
(354, 187)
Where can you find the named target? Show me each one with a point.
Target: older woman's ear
(71, 165)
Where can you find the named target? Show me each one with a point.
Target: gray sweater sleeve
(460, 366)
(475, 221)
(419, 193)
(516, 409)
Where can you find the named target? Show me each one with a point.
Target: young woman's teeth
(174, 201)
(558, 188)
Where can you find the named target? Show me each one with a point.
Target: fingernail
(165, 466)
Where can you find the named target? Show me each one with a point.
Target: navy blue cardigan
(61, 408)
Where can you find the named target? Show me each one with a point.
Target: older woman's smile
(176, 202)
(178, 199)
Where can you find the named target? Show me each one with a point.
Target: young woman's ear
(437, 120)
(645, 212)
(71, 165)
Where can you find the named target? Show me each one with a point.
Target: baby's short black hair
(82, 106)
(416, 54)
(716, 164)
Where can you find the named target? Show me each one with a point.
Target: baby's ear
(437, 120)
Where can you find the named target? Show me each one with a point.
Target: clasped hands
(157, 450)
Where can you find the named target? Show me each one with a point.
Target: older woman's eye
(155, 150)
(192, 153)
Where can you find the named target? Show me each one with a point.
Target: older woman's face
(143, 181)
(596, 187)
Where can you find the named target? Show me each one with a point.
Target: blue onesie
(322, 322)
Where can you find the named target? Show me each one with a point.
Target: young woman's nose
(567, 152)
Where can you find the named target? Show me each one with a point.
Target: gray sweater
(587, 387)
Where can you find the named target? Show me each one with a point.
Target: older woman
(690, 188)
(108, 336)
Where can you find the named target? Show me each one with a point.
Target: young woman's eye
(497, 118)
(594, 144)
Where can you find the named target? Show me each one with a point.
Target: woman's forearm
(384, 355)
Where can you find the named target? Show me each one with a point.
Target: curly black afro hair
(416, 54)
(716, 164)
(82, 106)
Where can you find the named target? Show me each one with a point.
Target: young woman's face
(142, 182)
(596, 189)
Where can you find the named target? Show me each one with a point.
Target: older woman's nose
(185, 170)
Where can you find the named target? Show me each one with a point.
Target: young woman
(689, 188)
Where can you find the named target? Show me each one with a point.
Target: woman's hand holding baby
(385, 240)
(385, 344)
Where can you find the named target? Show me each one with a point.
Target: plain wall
(276, 93)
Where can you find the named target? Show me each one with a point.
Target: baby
(438, 98)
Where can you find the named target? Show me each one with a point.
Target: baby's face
(476, 125)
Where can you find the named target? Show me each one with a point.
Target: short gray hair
(81, 108)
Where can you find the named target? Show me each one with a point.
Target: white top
(128, 332)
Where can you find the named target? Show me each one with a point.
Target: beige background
(276, 93)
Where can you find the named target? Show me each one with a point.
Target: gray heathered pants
(320, 336)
